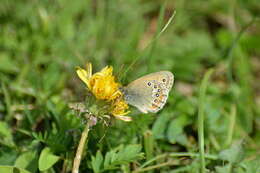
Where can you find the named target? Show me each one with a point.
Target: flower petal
(108, 70)
(83, 75)
(124, 118)
(89, 70)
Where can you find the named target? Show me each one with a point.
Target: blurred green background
(42, 41)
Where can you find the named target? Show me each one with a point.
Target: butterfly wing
(150, 92)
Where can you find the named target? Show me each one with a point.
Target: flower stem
(77, 158)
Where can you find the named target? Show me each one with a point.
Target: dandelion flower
(104, 87)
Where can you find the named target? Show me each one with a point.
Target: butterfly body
(150, 92)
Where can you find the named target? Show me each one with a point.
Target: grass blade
(157, 35)
(202, 97)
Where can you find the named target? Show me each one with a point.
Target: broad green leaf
(223, 169)
(8, 156)
(12, 169)
(160, 125)
(28, 161)
(47, 159)
(129, 153)
(108, 158)
(7, 64)
(175, 130)
(96, 162)
(6, 134)
(249, 166)
(122, 155)
(233, 154)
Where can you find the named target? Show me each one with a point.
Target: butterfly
(150, 92)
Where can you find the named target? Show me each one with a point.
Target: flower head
(102, 84)
(104, 87)
(119, 108)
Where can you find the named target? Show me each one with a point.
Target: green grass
(202, 100)
(205, 126)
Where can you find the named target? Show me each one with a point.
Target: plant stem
(148, 144)
(77, 158)
(155, 166)
(177, 154)
(231, 125)
(202, 101)
(174, 154)
(214, 142)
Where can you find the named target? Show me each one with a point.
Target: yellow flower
(119, 107)
(104, 87)
(102, 84)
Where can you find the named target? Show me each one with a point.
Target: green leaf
(129, 153)
(12, 169)
(27, 160)
(122, 155)
(249, 166)
(7, 156)
(7, 64)
(223, 169)
(160, 125)
(175, 130)
(108, 159)
(6, 134)
(96, 162)
(47, 159)
(234, 154)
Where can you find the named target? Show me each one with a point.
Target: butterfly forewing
(150, 92)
